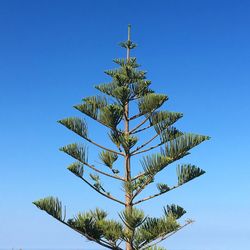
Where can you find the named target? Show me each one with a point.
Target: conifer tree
(113, 110)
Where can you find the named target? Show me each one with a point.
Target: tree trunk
(128, 194)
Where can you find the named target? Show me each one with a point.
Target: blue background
(51, 55)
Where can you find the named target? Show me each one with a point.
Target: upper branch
(102, 147)
(155, 195)
(79, 153)
(139, 125)
(79, 127)
(104, 173)
(100, 192)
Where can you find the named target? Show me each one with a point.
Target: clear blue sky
(51, 55)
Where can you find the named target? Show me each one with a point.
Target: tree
(134, 230)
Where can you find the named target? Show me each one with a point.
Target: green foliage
(151, 102)
(140, 89)
(112, 230)
(111, 115)
(114, 136)
(77, 125)
(169, 134)
(180, 146)
(122, 139)
(163, 119)
(152, 164)
(52, 206)
(108, 158)
(98, 185)
(128, 45)
(123, 62)
(132, 218)
(107, 88)
(156, 248)
(92, 105)
(153, 228)
(77, 151)
(76, 168)
(163, 187)
(188, 172)
(122, 94)
(87, 223)
(98, 108)
(95, 226)
(174, 210)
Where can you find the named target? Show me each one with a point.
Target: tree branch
(138, 176)
(155, 195)
(177, 157)
(143, 145)
(142, 129)
(100, 242)
(102, 193)
(142, 187)
(163, 237)
(140, 124)
(100, 146)
(104, 173)
(148, 149)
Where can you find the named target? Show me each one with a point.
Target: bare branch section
(143, 145)
(139, 125)
(104, 173)
(142, 129)
(155, 195)
(100, 192)
(102, 147)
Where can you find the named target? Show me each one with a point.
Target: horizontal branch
(102, 193)
(144, 144)
(102, 147)
(142, 129)
(104, 173)
(138, 176)
(94, 118)
(135, 116)
(139, 125)
(177, 157)
(155, 195)
(148, 149)
(163, 237)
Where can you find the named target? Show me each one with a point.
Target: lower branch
(100, 242)
(163, 237)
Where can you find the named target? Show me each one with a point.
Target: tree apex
(129, 31)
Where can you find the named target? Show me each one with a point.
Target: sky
(52, 53)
